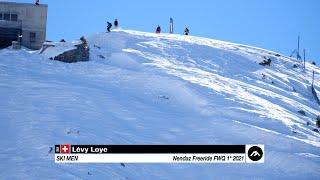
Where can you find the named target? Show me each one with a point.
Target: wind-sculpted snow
(146, 88)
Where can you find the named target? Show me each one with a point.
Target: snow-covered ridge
(265, 89)
(146, 88)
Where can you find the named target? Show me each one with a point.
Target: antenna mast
(304, 58)
(312, 78)
(297, 51)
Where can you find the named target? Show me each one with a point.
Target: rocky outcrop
(266, 61)
(80, 53)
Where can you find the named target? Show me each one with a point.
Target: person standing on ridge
(171, 26)
(186, 31)
(109, 26)
(116, 23)
(158, 30)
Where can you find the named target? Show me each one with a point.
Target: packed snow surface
(146, 88)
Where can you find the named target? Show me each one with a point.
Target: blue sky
(269, 24)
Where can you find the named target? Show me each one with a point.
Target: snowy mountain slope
(143, 88)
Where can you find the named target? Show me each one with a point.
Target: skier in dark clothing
(186, 31)
(116, 23)
(158, 30)
(109, 26)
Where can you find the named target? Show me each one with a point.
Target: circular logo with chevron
(255, 153)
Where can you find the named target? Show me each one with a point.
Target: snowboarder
(186, 31)
(116, 23)
(158, 30)
(37, 2)
(109, 26)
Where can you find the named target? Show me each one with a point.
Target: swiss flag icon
(65, 148)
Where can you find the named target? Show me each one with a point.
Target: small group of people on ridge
(158, 29)
(109, 25)
(186, 31)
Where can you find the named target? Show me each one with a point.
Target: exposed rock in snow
(66, 52)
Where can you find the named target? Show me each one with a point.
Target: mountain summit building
(23, 22)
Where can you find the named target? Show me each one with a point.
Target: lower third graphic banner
(67, 153)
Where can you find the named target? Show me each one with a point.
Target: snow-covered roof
(57, 48)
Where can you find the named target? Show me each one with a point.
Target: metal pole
(298, 53)
(20, 38)
(304, 58)
(312, 78)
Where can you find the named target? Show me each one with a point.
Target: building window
(32, 37)
(14, 17)
(1, 16)
(6, 16)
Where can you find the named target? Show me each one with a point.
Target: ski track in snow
(157, 89)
